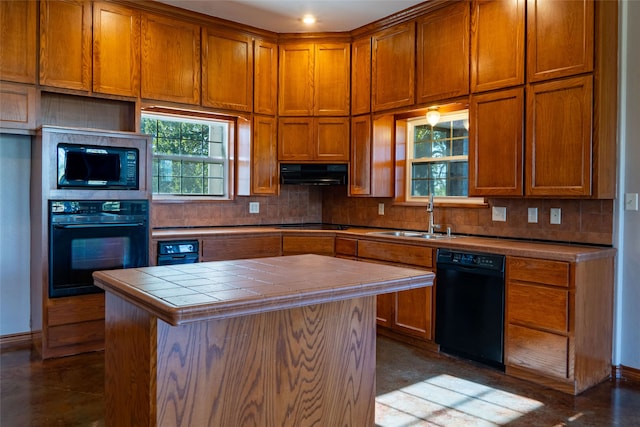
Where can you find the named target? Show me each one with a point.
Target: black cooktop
(313, 226)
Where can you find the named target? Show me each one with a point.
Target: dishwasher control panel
(470, 259)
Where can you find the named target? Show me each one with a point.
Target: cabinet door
(331, 79)
(361, 76)
(227, 70)
(296, 80)
(18, 35)
(360, 167)
(331, 139)
(265, 78)
(560, 38)
(295, 138)
(116, 50)
(264, 159)
(412, 312)
(443, 53)
(497, 44)
(170, 60)
(17, 106)
(558, 144)
(65, 44)
(393, 67)
(496, 140)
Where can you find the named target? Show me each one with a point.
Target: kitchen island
(283, 341)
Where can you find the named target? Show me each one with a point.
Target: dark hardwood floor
(414, 388)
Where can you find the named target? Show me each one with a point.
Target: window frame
(411, 124)
(228, 161)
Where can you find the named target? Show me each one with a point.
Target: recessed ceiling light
(309, 19)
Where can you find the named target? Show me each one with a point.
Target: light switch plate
(532, 215)
(631, 201)
(254, 207)
(380, 208)
(499, 213)
(555, 216)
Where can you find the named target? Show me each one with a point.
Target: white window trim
(225, 161)
(411, 124)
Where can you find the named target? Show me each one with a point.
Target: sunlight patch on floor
(446, 400)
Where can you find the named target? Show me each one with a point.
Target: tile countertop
(186, 293)
(502, 246)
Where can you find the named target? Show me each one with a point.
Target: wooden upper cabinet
(265, 98)
(443, 53)
(227, 70)
(65, 44)
(295, 89)
(332, 138)
(560, 38)
(18, 46)
(264, 158)
(314, 79)
(360, 170)
(371, 172)
(313, 139)
(496, 141)
(116, 50)
(170, 60)
(393, 67)
(331, 96)
(558, 141)
(497, 44)
(361, 76)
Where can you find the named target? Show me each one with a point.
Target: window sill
(165, 198)
(467, 205)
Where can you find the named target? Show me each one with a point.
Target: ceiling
(285, 16)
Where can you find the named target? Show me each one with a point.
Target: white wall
(15, 158)
(627, 339)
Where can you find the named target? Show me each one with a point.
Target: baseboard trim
(15, 341)
(626, 373)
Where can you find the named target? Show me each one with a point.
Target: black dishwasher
(470, 305)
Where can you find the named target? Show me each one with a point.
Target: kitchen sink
(415, 234)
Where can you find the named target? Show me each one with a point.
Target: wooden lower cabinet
(320, 245)
(406, 312)
(241, 246)
(559, 322)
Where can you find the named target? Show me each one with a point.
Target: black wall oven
(90, 235)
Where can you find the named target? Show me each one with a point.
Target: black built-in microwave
(93, 166)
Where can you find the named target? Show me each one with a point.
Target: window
(190, 155)
(438, 158)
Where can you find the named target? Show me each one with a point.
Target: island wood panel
(306, 366)
(239, 247)
(321, 245)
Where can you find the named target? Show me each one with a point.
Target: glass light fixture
(433, 116)
(309, 19)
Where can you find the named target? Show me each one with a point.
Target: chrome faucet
(432, 226)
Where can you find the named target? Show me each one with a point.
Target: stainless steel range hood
(313, 174)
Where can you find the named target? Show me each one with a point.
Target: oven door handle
(102, 225)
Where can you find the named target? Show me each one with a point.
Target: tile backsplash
(583, 221)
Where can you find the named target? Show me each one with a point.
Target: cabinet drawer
(239, 247)
(538, 271)
(321, 245)
(421, 256)
(82, 308)
(539, 306)
(346, 247)
(544, 352)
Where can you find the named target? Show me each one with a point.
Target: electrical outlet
(254, 207)
(380, 208)
(555, 216)
(631, 201)
(499, 213)
(532, 215)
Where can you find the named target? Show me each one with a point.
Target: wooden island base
(283, 341)
(312, 365)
